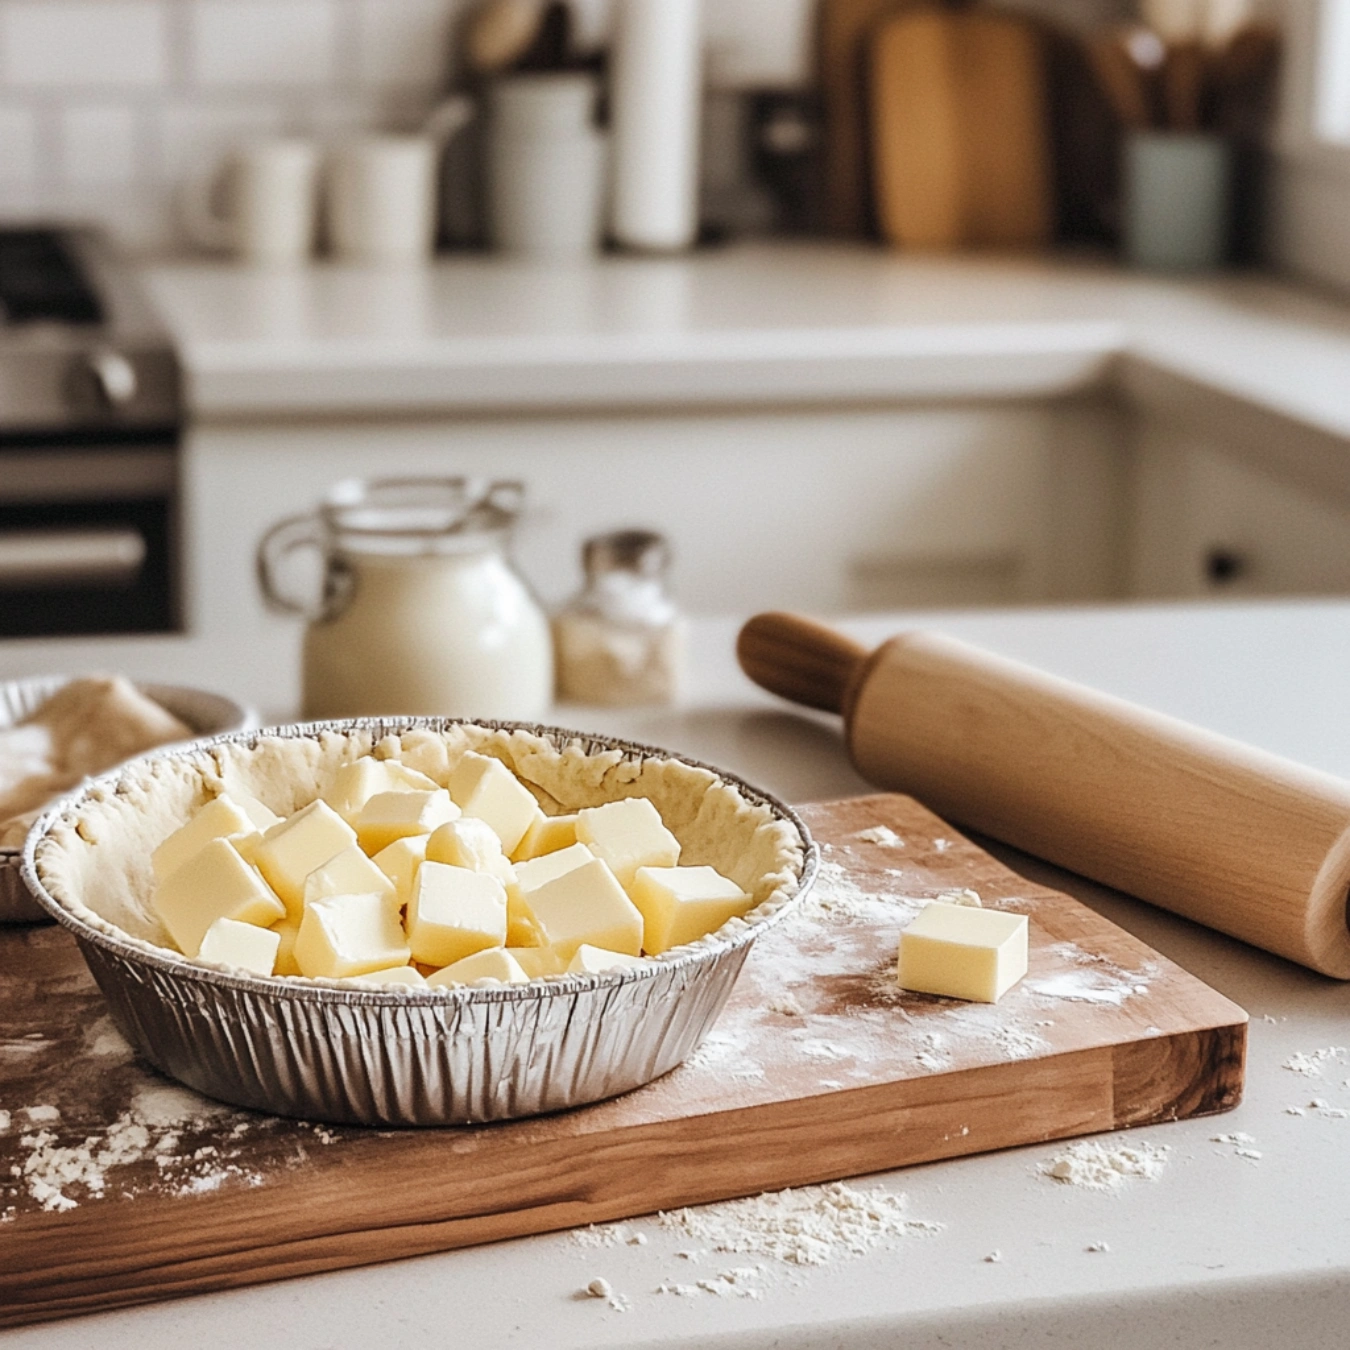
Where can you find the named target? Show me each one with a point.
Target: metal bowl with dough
(206, 713)
(344, 1052)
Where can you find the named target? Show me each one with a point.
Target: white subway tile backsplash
(59, 44)
(18, 148)
(404, 42)
(100, 144)
(193, 137)
(263, 42)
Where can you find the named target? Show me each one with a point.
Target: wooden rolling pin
(1230, 836)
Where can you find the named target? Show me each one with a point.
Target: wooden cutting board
(843, 28)
(819, 1068)
(960, 130)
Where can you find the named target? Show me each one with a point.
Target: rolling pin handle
(800, 659)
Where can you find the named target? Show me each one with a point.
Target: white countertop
(1220, 1250)
(745, 325)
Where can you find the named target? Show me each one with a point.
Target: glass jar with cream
(420, 609)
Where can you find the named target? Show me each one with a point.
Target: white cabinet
(1208, 521)
(822, 510)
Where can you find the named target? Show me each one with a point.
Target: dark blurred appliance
(90, 425)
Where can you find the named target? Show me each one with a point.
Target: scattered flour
(1325, 1108)
(59, 1175)
(725, 1055)
(994, 1257)
(807, 1227)
(882, 836)
(1241, 1143)
(941, 845)
(786, 1005)
(5, 1119)
(608, 1235)
(1310, 1063)
(1097, 1247)
(1099, 1166)
(962, 895)
(738, 1282)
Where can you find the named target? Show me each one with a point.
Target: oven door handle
(31, 559)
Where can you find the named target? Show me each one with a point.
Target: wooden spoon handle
(800, 659)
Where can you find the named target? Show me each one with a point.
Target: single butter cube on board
(343, 935)
(586, 904)
(291, 850)
(627, 835)
(215, 883)
(680, 904)
(496, 964)
(395, 975)
(219, 818)
(356, 783)
(487, 790)
(963, 952)
(400, 860)
(588, 960)
(547, 834)
(348, 873)
(231, 943)
(455, 912)
(395, 815)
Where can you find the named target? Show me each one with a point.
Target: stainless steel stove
(90, 426)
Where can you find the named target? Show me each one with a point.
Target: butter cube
(395, 975)
(467, 842)
(454, 912)
(487, 790)
(627, 835)
(292, 849)
(247, 845)
(532, 874)
(400, 860)
(217, 819)
(495, 964)
(680, 904)
(231, 943)
(521, 930)
(356, 783)
(589, 960)
(547, 834)
(343, 935)
(348, 873)
(963, 952)
(263, 817)
(215, 883)
(287, 931)
(394, 815)
(539, 963)
(586, 904)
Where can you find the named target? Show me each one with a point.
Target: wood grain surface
(818, 1068)
(960, 130)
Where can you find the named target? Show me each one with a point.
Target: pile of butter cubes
(392, 879)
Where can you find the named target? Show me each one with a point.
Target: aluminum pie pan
(206, 713)
(417, 1057)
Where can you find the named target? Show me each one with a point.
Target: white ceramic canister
(259, 203)
(545, 166)
(422, 611)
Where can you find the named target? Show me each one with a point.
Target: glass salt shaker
(621, 641)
